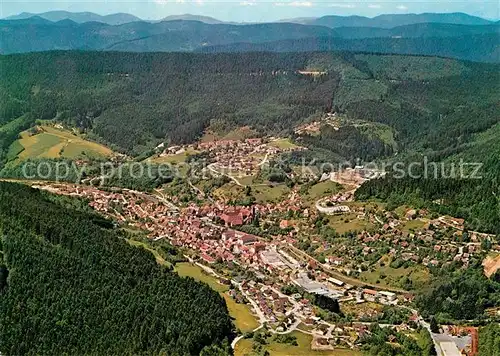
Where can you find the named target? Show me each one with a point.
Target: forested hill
(74, 287)
(133, 101)
(476, 47)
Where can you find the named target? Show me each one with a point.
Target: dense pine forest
(70, 285)
(472, 294)
(134, 101)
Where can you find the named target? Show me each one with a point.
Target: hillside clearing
(49, 142)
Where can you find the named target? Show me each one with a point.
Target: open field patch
(49, 142)
(412, 225)
(39, 146)
(244, 320)
(14, 150)
(491, 264)
(173, 158)
(269, 193)
(321, 189)
(283, 143)
(349, 222)
(186, 269)
(384, 275)
(244, 347)
(247, 180)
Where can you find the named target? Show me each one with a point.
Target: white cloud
(164, 2)
(300, 4)
(345, 6)
(402, 7)
(248, 3)
(375, 6)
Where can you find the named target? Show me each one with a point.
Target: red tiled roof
(207, 258)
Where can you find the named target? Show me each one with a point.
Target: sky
(254, 10)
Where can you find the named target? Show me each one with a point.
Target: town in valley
(323, 264)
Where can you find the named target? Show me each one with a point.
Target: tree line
(75, 286)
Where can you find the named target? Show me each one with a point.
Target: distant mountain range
(79, 17)
(332, 21)
(112, 19)
(394, 20)
(479, 40)
(18, 36)
(188, 17)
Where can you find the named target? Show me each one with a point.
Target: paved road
(236, 339)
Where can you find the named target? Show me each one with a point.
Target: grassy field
(50, 142)
(267, 193)
(14, 150)
(322, 189)
(186, 269)
(244, 347)
(283, 143)
(349, 222)
(412, 225)
(173, 159)
(377, 130)
(248, 180)
(418, 274)
(243, 317)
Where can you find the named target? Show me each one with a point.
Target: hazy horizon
(253, 10)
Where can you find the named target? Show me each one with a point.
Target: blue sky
(254, 10)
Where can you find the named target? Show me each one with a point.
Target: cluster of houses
(273, 304)
(433, 243)
(207, 229)
(346, 335)
(242, 156)
(314, 127)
